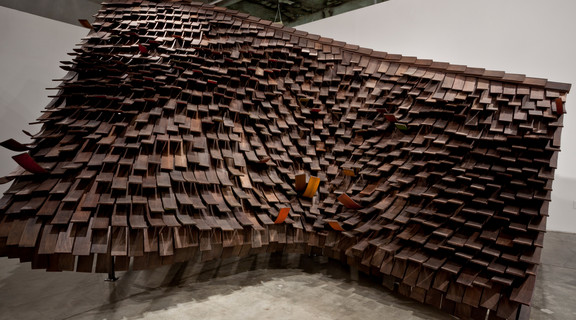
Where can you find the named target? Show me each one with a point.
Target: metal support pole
(111, 272)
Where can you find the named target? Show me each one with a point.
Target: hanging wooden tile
(436, 177)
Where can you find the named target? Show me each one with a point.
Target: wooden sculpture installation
(185, 130)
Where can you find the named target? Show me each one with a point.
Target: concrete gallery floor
(257, 287)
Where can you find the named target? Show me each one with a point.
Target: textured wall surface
(182, 130)
(493, 34)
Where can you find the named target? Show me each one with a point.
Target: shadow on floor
(265, 286)
(255, 287)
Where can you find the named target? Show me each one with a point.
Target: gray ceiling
(293, 12)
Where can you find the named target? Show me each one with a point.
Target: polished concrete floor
(258, 287)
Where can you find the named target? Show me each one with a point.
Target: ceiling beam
(224, 3)
(332, 11)
(68, 11)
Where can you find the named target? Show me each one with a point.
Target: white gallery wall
(532, 37)
(31, 48)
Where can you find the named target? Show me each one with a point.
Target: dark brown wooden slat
(174, 153)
